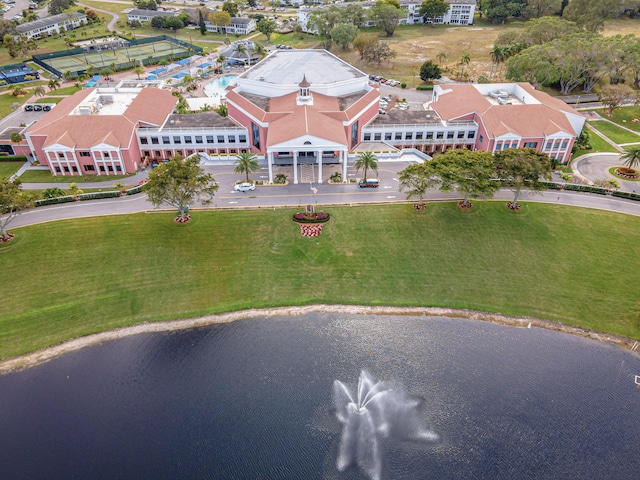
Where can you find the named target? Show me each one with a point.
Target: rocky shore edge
(38, 357)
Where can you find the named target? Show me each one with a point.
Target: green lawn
(598, 144)
(80, 276)
(615, 133)
(8, 102)
(9, 168)
(43, 176)
(624, 115)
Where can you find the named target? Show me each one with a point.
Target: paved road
(301, 195)
(595, 166)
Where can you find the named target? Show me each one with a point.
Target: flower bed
(320, 217)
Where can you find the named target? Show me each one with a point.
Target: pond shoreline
(13, 364)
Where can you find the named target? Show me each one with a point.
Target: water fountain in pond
(377, 410)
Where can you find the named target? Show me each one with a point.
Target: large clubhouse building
(294, 107)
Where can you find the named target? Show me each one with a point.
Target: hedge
(13, 158)
(424, 87)
(97, 195)
(134, 190)
(53, 201)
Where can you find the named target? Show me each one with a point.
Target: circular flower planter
(420, 206)
(462, 205)
(179, 219)
(511, 206)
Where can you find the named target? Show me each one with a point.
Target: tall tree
(387, 16)
(614, 96)
(417, 179)
(498, 11)
(267, 26)
(343, 34)
(364, 41)
(539, 8)
(520, 168)
(201, 24)
(464, 60)
(231, 8)
(366, 161)
(429, 71)
(246, 162)
(53, 84)
(432, 9)
(590, 14)
(59, 6)
(354, 14)
(441, 57)
(471, 173)
(39, 91)
(631, 157)
(179, 183)
(12, 202)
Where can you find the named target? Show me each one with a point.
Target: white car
(244, 187)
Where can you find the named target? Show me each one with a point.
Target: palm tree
(138, 71)
(53, 84)
(466, 58)
(246, 162)
(441, 57)
(39, 91)
(260, 50)
(367, 161)
(241, 49)
(631, 158)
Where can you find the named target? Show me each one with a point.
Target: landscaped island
(71, 278)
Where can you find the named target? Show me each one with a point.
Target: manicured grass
(80, 276)
(9, 168)
(623, 116)
(49, 100)
(64, 91)
(8, 102)
(43, 176)
(598, 144)
(615, 133)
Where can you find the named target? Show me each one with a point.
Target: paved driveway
(595, 166)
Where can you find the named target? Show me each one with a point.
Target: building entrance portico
(307, 152)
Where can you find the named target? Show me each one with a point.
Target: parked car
(369, 183)
(28, 108)
(244, 187)
(37, 108)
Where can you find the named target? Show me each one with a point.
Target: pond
(277, 398)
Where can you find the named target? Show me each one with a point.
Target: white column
(319, 154)
(345, 157)
(270, 163)
(295, 167)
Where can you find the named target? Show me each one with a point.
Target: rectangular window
(471, 135)
(408, 136)
(429, 135)
(232, 139)
(177, 140)
(58, 170)
(102, 168)
(187, 139)
(439, 135)
(377, 136)
(531, 144)
(242, 138)
(419, 135)
(85, 154)
(144, 140)
(66, 169)
(154, 141)
(118, 168)
(480, 138)
(209, 138)
(557, 144)
(450, 134)
(158, 153)
(498, 147)
(354, 133)
(198, 138)
(220, 138)
(398, 136)
(255, 133)
(60, 155)
(460, 134)
(367, 137)
(564, 144)
(75, 169)
(110, 168)
(89, 168)
(166, 140)
(387, 136)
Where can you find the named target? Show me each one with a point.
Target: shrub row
(134, 190)
(97, 195)
(424, 87)
(53, 201)
(13, 158)
(319, 217)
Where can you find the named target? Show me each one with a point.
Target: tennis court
(115, 58)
